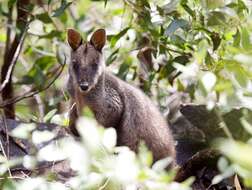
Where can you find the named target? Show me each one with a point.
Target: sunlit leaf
(49, 115)
(114, 38)
(64, 5)
(44, 17)
(176, 24)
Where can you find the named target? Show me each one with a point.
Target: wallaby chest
(106, 104)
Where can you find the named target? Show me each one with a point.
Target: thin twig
(4, 154)
(223, 125)
(105, 184)
(8, 36)
(30, 94)
(37, 97)
(14, 59)
(7, 135)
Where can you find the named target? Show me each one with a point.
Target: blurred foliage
(96, 161)
(202, 48)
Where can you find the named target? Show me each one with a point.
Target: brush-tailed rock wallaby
(114, 102)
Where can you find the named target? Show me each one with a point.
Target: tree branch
(13, 60)
(11, 54)
(32, 93)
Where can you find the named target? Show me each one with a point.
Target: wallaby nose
(84, 86)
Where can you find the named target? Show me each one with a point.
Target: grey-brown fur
(116, 103)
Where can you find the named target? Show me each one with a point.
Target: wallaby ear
(98, 39)
(74, 38)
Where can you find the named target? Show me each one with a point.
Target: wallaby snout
(84, 86)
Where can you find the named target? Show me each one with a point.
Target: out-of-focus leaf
(36, 75)
(209, 60)
(8, 184)
(61, 9)
(3, 11)
(114, 38)
(222, 164)
(52, 34)
(208, 81)
(238, 71)
(216, 18)
(112, 57)
(178, 41)
(245, 39)
(166, 70)
(237, 38)
(170, 7)
(39, 137)
(183, 3)
(213, 4)
(49, 115)
(123, 70)
(105, 3)
(182, 59)
(45, 62)
(11, 3)
(239, 6)
(240, 153)
(160, 165)
(176, 24)
(23, 131)
(44, 17)
(215, 37)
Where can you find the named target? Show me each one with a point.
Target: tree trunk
(10, 49)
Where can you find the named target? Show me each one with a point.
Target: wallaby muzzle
(84, 86)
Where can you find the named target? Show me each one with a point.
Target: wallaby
(114, 102)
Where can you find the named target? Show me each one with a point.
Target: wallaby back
(114, 102)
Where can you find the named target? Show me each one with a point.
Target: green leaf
(11, 3)
(241, 77)
(44, 63)
(166, 70)
(124, 69)
(216, 18)
(213, 4)
(178, 41)
(114, 38)
(176, 24)
(245, 39)
(182, 59)
(105, 3)
(215, 37)
(112, 57)
(36, 74)
(61, 9)
(49, 115)
(3, 11)
(8, 184)
(52, 34)
(237, 39)
(240, 153)
(183, 3)
(44, 17)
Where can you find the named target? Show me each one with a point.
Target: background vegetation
(197, 50)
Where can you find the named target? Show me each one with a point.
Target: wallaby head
(87, 62)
